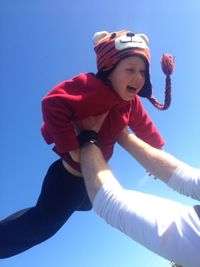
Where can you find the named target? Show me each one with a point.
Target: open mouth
(132, 89)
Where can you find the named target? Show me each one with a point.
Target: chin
(129, 98)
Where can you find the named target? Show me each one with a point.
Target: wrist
(88, 137)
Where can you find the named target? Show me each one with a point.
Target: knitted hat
(112, 47)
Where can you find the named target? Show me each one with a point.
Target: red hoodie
(84, 96)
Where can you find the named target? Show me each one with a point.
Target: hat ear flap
(98, 36)
(144, 37)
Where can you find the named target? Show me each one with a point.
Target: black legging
(62, 194)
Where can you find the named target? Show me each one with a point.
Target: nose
(138, 77)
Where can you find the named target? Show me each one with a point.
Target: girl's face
(128, 77)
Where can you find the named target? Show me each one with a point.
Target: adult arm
(95, 170)
(147, 219)
(178, 175)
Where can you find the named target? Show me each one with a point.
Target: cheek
(118, 88)
(143, 80)
(116, 83)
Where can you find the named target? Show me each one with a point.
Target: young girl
(123, 61)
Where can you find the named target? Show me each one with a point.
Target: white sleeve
(186, 180)
(165, 227)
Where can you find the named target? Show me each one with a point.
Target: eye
(113, 35)
(130, 70)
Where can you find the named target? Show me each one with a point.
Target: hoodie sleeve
(142, 125)
(72, 100)
(58, 114)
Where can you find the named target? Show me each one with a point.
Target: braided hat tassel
(167, 63)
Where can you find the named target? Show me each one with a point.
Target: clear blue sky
(46, 41)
